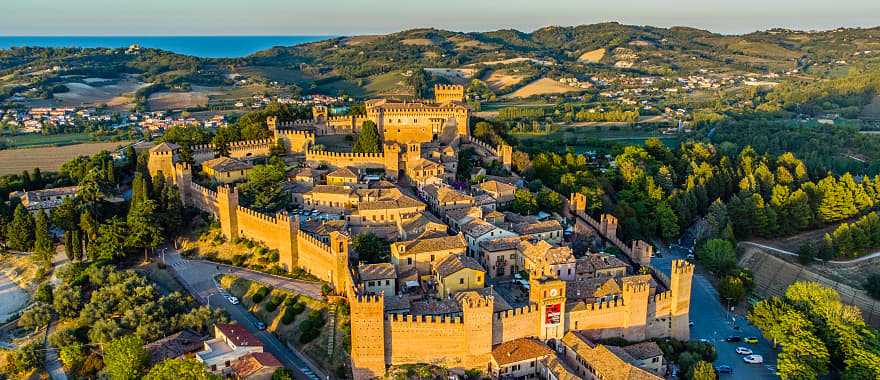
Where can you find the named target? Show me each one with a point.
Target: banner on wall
(553, 314)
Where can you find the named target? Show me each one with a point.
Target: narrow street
(714, 322)
(198, 278)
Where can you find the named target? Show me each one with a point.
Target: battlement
(204, 148)
(367, 299)
(609, 219)
(227, 190)
(531, 308)
(295, 124)
(161, 153)
(638, 286)
(257, 214)
(423, 319)
(317, 155)
(250, 143)
(203, 190)
(604, 305)
(682, 267)
(662, 296)
(307, 238)
(478, 302)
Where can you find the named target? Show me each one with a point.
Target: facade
(37, 200)
(342, 177)
(227, 169)
(420, 255)
(378, 278)
(519, 358)
(596, 361)
(230, 344)
(457, 273)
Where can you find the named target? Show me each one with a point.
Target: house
(596, 361)
(342, 177)
(421, 254)
(647, 356)
(442, 199)
(456, 273)
(307, 176)
(548, 230)
(378, 278)
(500, 256)
(180, 344)
(424, 171)
(503, 193)
(595, 265)
(227, 169)
(47, 199)
(543, 259)
(519, 358)
(256, 366)
(478, 230)
(231, 342)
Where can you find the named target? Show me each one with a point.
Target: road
(198, 278)
(867, 257)
(714, 322)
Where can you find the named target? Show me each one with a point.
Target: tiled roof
(402, 201)
(594, 262)
(537, 228)
(604, 361)
(518, 350)
(239, 335)
(380, 271)
(165, 147)
(443, 243)
(424, 164)
(560, 370)
(477, 227)
(501, 244)
(454, 263)
(308, 172)
(174, 346)
(324, 227)
(253, 362)
(497, 187)
(331, 189)
(644, 350)
(498, 302)
(227, 164)
(591, 288)
(342, 173)
(546, 252)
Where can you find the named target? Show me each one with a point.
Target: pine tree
(143, 224)
(368, 139)
(20, 231)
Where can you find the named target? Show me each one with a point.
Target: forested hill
(649, 49)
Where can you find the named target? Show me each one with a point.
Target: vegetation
(368, 141)
(371, 248)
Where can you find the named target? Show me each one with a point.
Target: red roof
(254, 362)
(239, 335)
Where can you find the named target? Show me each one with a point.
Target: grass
(316, 350)
(32, 139)
(580, 136)
(388, 84)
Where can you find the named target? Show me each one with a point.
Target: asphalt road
(714, 322)
(198, 278)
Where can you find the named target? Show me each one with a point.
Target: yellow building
(421, 254)
(342, 177)
(457, 273)
(226, 169)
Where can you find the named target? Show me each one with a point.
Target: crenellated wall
(388, 160)
(516, 323)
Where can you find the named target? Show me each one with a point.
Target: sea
(199, 46)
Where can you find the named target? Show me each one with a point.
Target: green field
(34, 140)
(580, 138)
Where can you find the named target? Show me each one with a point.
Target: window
(409, 261)
(432, 258)
(461, 281)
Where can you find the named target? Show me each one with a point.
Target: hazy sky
(347, 17)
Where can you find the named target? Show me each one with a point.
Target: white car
(743, 350)
(232, 300)
(754, 359)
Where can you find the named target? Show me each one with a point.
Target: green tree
(67, 300)
(20, 231)
(371, 248)
(72, 356)
(263, 190)
(282, 374)
(179, 369)
(144, 230)
(524, 202)
(549, 201)
(731, 288)
(718, 255)
(36, 317)
(368, 140)
(43, 247)
(668, 221)
(110, 240)
(125, 358)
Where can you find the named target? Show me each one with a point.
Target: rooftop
(227, 164)
(518, 350)
(343, 173)
(443, 243)
(603, 360)
(454, 263)
(537, 228)
(253, 362)
(380, 271)
(238, 335)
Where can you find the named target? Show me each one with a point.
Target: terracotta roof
(238, 335)
(560, 370)
(227, 164)
(331, 189)
(251, 363)
(501, 244)
(594, 262)
(402, 201)
(174, 346)
(454, 263)
(308, 172)
(324, 227)
(497, 187)
(604, 361)
(537, 228)
(543, 251)
(424, 163)
(591, 288)
(443, 243)
(165, 147)
(644, 350)
(381, 271)
(477, 227)
(498, 302)
(342, 173)
(519, 350)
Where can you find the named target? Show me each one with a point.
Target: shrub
(260, 294)
(273, 303)
(311, 327)
(238, 260)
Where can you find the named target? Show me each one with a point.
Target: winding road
(789, 253)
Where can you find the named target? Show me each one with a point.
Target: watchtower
(339, 247)
(642, 252)
(161, 160)
(577, 203)
(549, 295)
(367, 336)
(506, 153)
(227, 211)
(444, 93)
(680, 286)
(477, 315)
(636, 292)
(608, 226)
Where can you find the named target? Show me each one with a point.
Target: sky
(353, 17)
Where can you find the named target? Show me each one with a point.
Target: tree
(718, 255)
(702, 371)
(549, 201)
(72, 356)
(110, 240)
(36, 317)
(524, 202)
(144, 230)
(872, 285)
(668, 221)
(125, 358)
(263, 190)
(20, 231)
(180, 369)
(368, 139)
(371, 248)
(67, 300)
(282, 374)
(43, 248)
(731, 288)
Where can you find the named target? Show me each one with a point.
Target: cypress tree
(43, 240)
(368, 140)
(20, 231)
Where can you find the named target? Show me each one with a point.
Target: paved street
(198, 278)
(714, 322)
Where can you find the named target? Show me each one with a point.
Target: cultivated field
(592, 56)
(543, 86)
(499, 80)
(51, 158)
(417, 42)
(457, 76)
(116, 94)
(872, 110)
(182, 100)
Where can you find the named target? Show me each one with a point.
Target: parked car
(743, 350)
(233, 300)
(724, 369)
(751, 340)
(753, 359)
(260, 325)
(690, 256)
(691, 323)
(733, 339)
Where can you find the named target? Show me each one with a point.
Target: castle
(388, 329)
